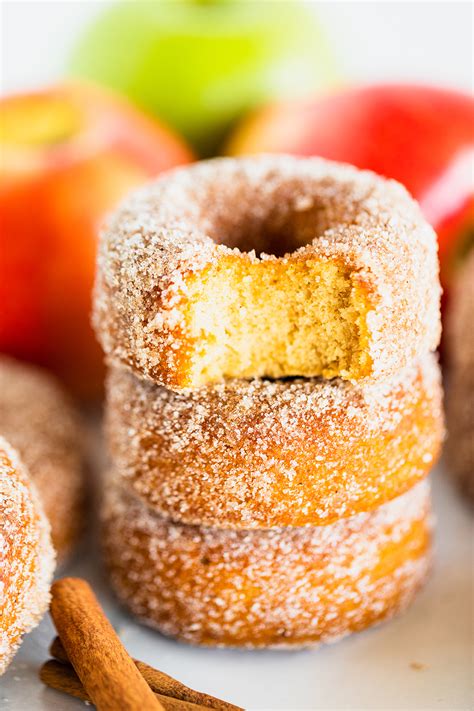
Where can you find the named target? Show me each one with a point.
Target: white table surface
(422, 660)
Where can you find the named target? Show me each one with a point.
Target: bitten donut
(269, 266)
(266, 453)
(26, 555)
(460, 393)
(38, 419)
(277, 588)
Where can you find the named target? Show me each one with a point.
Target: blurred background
(383, 85)
(372, 41)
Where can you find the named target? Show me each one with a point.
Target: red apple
(420, 135)
(69, 153)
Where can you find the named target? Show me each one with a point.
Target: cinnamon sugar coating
(39, 420)
(283, 588)
(460, 393)
(357, 292)
(266, 453)
(26, 555)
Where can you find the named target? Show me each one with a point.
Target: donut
(269, 266)
(287, 587)
(38, 419)
(459, 452)
(459, 336)
(460, 393)
(261, 453)
(26, 554)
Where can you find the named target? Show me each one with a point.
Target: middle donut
(263, 454)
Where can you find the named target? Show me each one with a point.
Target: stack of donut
(270, 419)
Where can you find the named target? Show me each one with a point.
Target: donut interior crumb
(277, 318)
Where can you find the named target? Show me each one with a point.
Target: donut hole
(277, 318)
(275, 224)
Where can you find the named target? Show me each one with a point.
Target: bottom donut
(290, 587)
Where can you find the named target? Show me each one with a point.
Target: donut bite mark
(273, 317)
(270, 266)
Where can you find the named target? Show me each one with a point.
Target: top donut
(268, 266)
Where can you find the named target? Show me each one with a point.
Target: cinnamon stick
(107, 672)
(159, 682)
(62, 677)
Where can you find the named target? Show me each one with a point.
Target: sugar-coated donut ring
(460, 392)
(26, 554)
(343, 282)
(38, 419)
(280, 587)
(266, 453)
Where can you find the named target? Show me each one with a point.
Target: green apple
(199, 65)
